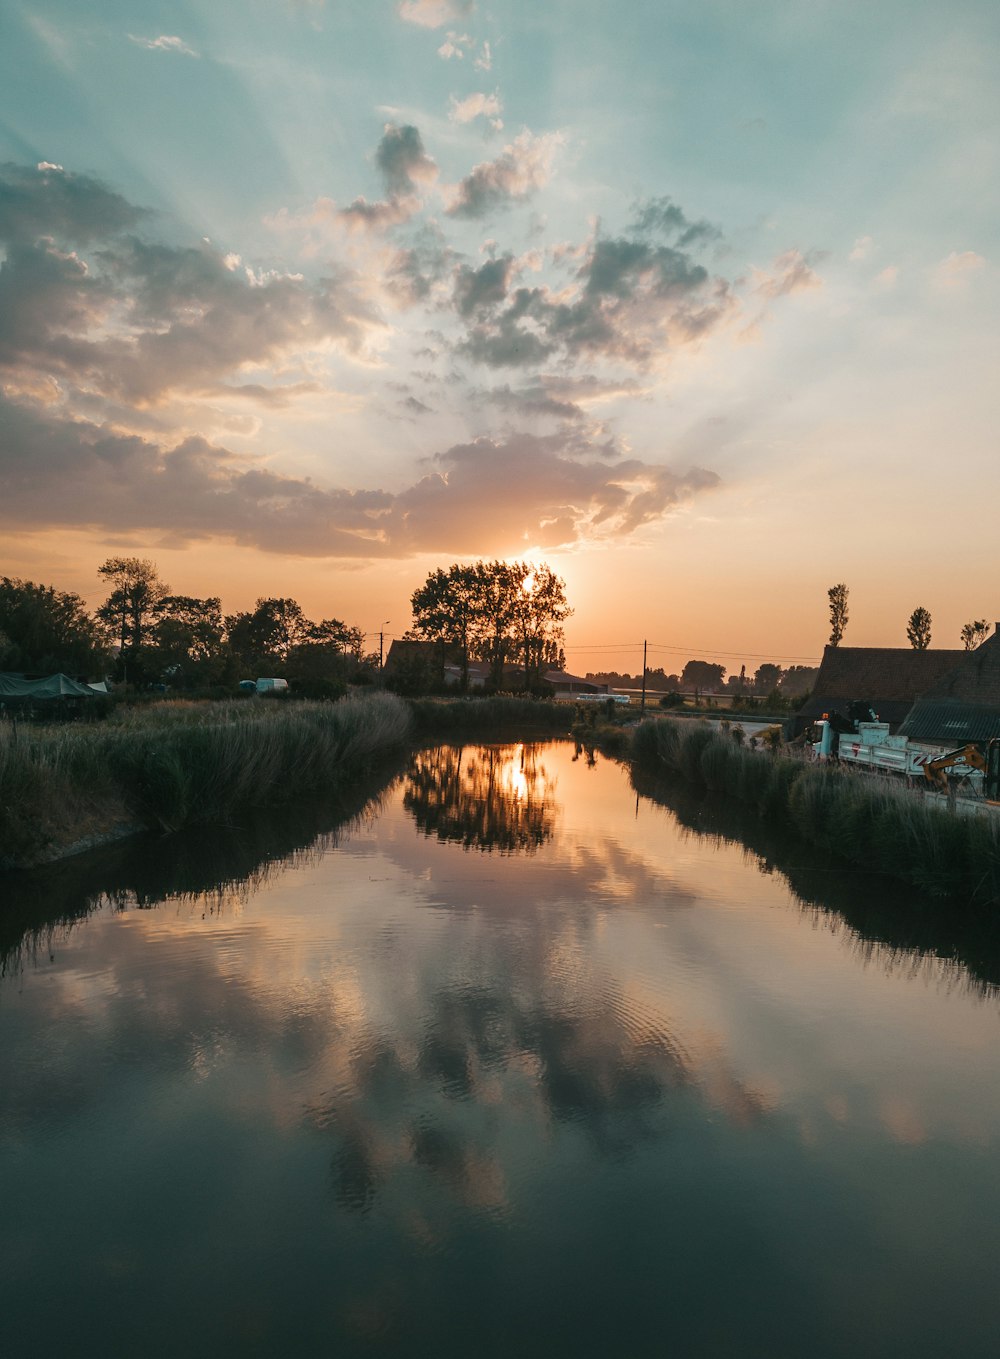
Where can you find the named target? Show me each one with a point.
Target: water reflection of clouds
(550, 1005)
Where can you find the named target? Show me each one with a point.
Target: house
(963, 704)
(564, 683)
(889, 679)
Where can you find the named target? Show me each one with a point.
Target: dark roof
(964, 704)
(411, 650)
(889, 678)
(951, 722)
(975, 677)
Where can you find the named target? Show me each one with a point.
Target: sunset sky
(695, 301)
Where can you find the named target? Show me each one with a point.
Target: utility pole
(642, 703)
(381, 638)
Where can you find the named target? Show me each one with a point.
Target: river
(514, 1058)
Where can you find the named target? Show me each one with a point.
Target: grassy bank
(869, 820)
(495, 718)
(178, 764)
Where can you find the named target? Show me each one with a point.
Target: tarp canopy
(52, 686)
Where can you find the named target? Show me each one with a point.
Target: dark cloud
(481, 497)
(135, 319)
(665, 217)
(402, 160)
(631, 299)
(404, 165)
(45, 200)
(520, 170)
(481, 289)
(532, 401)
(488, 493)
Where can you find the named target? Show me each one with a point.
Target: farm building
(963, 704)
(890, 679)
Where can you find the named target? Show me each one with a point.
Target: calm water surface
(517, 1063)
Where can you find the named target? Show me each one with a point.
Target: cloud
(484, 62)
(45, 200)
(402, 160)
(133, 319)
(520, 170)
(481, 289)
(488, 106)
(164, 44)
(663, 217)
(434, 13)
(484, 496)
(861, 249)
(957, 268)
(454, 46)
(793, 273)
(379, 215)
(629, 300)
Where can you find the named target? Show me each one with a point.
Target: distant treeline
(500, 614)
(710, 677)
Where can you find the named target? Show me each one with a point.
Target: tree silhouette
(837, 595)
(918, 629)
(974, 634)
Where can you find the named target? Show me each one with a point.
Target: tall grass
(180, 763)
(869, 819)
(496, 716)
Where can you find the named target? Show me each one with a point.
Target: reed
(180, 763)
(868, 819)
(494, 717)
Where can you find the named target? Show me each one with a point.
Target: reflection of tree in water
(483, 797)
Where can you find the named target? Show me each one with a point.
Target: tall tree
(495, 587)
(702, 675)
(445, 611)
(837, 595)
(131, 609)
(540, 608)
(264, 638)
(188, 638)
(918, 629)
(767, 677)
(974, 634)
(44, 630)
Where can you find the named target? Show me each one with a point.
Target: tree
(837, 595)
(974, 634)
(540, 608)
(495, 611)
(918, 629)
(444, 611)
(44, 630)
(131, 609)
(263, 639)
(798, 680)
(702, 675)
(188, 639)
(767, 677)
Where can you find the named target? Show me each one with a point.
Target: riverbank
(67, 788)
(872, 821)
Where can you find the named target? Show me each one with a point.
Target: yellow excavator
(971, 757)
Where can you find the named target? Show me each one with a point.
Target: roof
(950, 721)
(975, 677)
(411, 650)
(964, 703)
(890, 678)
